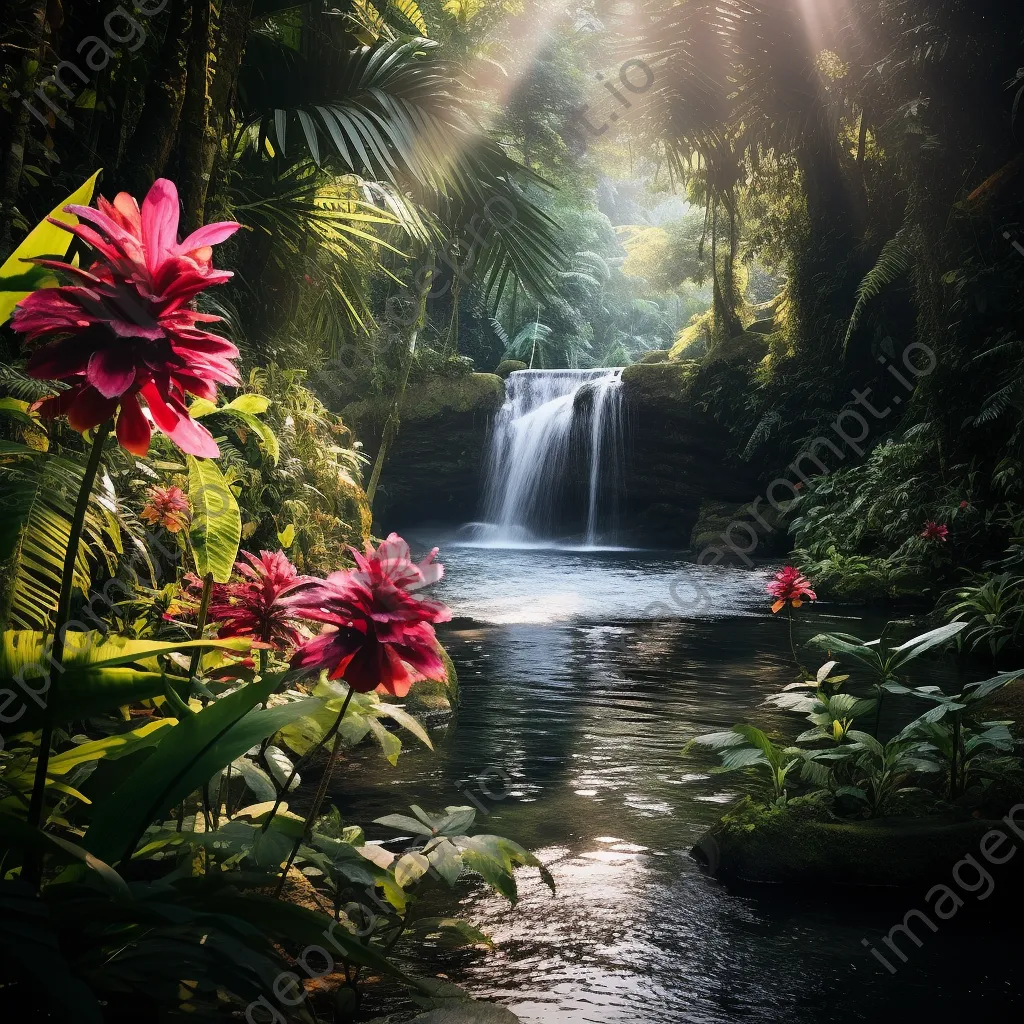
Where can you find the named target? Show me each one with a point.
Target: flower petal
(90, 409)
(133, 430)
(111, 370)
(160, 214)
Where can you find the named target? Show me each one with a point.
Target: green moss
(431, 397)
(694, 341)
(659, 385)
(658, 355)
(803, 843)
(438, 694)
(508, 366)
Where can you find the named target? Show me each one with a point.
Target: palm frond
(38, 492)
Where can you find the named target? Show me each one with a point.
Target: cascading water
(541, 444)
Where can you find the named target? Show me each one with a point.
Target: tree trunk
(233, 33)
(14, 157)
(194, 142)
(153, 140)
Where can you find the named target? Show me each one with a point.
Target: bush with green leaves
(953, 749)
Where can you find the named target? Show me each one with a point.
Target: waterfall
(550, 442)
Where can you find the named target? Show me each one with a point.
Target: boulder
(435, 465)
(677, 456)
(742, 532)
(507, 366)
(748, 347)
(802, 844)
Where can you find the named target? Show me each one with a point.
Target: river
(583, 675)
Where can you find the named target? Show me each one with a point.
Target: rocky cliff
(435, 468)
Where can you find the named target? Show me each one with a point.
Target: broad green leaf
(251, 405)
(410, 868)
(17, 278)
(100, 673)
(110, 747)
(430, 926)
(403, 823)
(22, 835)
(457, 821)
(216, 529)
(390, 744)
(404, 719)
(919, 644)
(446, 860)
(189, 755)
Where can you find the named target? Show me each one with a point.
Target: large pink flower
(790, 585)
(393, 561)
(254, 606)
(380, 637)
(934, 531)
(124, 334)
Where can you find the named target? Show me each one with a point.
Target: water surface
(583, 676)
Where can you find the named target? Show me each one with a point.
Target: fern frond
(893, 262)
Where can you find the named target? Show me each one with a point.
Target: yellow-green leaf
(216, 529)
(19, 279)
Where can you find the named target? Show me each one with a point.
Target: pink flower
(393, 561)
(168, 507)
(935, 531)
(790, 585)
(380, 637)
(124, 334)
(254, 606)
(965, 504)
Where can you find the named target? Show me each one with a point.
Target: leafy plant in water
(954, 727)
(879, 773)
(883, 662)
(744, 746)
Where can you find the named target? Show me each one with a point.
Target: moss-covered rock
(657, 355)
(434, 467)
(803, 844)
(677, 455)
(738, 530)
(748, 347)
(508, 366)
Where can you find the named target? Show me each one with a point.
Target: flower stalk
(35, 809)
(321, 791)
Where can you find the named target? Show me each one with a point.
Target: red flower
(168, 507)
(380, 636)
(935, 531)
(124, 333)
(965, 504)
(790, 585)
(254, 606)
(393, 561)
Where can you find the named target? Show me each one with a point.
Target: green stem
(204, 611)
(321, 792)
(35, 810)
(792, 643)
(954, 773)
(878, 709)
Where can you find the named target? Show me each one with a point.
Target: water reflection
(588, 711)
